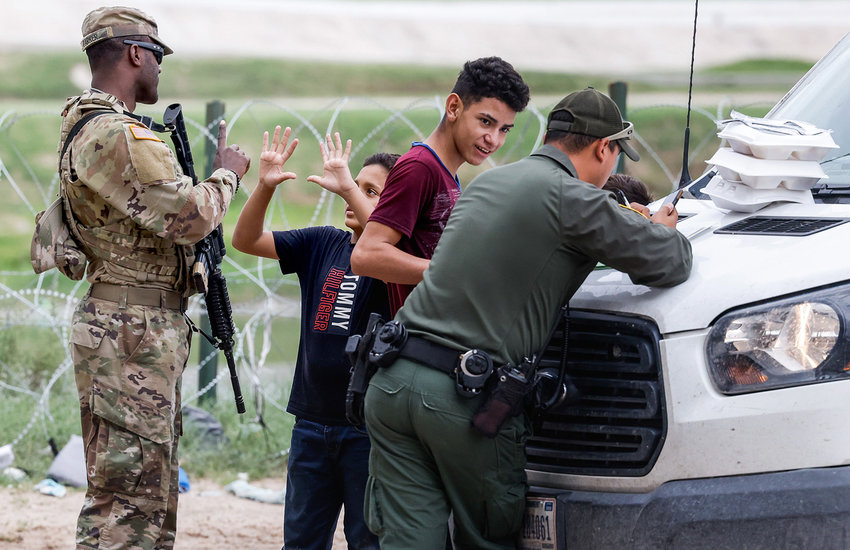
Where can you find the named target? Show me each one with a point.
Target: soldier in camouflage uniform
(136, 217)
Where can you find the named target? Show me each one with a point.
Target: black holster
(357, 349)
(378, 347)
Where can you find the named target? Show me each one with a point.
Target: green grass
(32, 452)
(250, 447)
(14, 252)
(30, 357)
(258, 448)
(47, 76)
(761, 66)
(36, 352)
(38, 75)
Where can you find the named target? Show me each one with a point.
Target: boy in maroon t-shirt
(422, 188)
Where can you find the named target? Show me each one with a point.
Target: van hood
(729, 270)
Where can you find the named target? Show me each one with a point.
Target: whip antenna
(685, 178)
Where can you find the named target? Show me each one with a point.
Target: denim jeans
(328, 467)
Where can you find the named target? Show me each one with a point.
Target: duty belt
(431, 355)
(135, 296)
(470, 369)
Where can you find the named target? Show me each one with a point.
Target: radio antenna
(685, 178)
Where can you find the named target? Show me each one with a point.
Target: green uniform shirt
(519, 243)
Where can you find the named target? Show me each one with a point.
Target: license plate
(538, 526)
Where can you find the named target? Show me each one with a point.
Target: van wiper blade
(835, 158)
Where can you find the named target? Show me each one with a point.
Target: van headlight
(795, 341)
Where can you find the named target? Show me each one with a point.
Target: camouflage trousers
(128, 364)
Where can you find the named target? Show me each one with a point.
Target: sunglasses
(625, 133)
(158, 51)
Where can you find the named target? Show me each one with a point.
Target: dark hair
(387, 160)
(570, 141)
(106, 53)
(491, 77)
(634, 189)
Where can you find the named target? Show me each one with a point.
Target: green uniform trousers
(427, 461)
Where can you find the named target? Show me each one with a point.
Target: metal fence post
(617, 91)
(208, 372)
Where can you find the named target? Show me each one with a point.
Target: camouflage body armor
(119, 251)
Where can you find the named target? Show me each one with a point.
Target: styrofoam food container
(767, 145)
(766, 173)
(735, 196)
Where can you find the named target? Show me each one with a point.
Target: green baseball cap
(596, 115)
(111, 22)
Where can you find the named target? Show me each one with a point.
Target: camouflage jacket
(135, 213)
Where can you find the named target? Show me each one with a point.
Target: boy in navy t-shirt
(329, 458)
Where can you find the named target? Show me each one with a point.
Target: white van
(715, 414)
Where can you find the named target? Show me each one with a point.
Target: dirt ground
(208, 517)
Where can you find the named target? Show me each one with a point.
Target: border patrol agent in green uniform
(520, 241)
(136, 217)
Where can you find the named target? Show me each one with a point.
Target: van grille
(618, 425)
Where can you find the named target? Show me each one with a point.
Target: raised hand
(337, 176)
(230, 157)
(274, 156)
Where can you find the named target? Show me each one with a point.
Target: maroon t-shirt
(417, 199)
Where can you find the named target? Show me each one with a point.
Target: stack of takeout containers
(767, 161)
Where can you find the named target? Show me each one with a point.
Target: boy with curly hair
(422, 188)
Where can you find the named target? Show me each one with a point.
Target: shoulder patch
(152, 159)
(140, 132)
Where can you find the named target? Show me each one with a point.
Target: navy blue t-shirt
(335, 304)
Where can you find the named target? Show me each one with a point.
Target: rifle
(209, 251)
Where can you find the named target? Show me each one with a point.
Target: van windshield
(822, 97)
